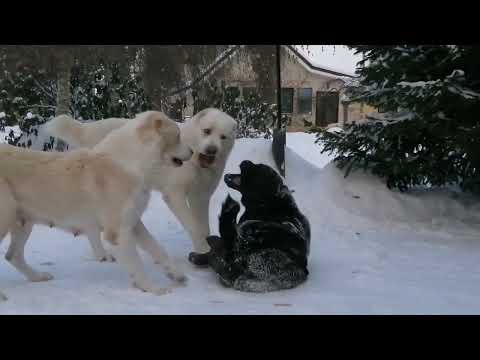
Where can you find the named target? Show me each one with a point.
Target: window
(247, 91)
(287, 100)
(305, 100)
(232, 91)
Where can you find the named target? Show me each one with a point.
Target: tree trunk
(164, 70)
(64, 97)
(263, 64)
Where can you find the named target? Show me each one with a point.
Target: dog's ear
(157, 124)
(200, 114)
(283, 191)
(152, 125)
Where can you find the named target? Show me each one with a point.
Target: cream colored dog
(106, 188)
(186, 190)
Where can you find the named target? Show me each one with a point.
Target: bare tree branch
(50, 95)
(226, 54)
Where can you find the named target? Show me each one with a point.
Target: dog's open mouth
(205, 160)
(233, 181)
(176, 161)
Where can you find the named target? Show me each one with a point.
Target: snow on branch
(209, 70)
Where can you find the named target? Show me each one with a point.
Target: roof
(227, 54)
(315, 68)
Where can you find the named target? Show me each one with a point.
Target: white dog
(186, 190)
(106, 188)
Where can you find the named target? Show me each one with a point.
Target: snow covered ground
(3, 135)
(373, 252)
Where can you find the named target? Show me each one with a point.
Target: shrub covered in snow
(28, 99)
(256, 118)
(103, 91)
(429, 132)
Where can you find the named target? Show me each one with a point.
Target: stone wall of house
(358, 111)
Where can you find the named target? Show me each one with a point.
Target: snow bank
(364, 195)
(303, 145)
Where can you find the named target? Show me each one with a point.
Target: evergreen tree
(428, 132)
(255, 117)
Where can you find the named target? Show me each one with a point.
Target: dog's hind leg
(19, 233)
(16, 253)
(3, 233)
(270, 270)
(157, 252)
(98, 250)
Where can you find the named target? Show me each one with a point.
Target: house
(311, 93)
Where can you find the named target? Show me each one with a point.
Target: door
(326, 108)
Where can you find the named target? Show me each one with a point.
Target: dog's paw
(106, 258)
(176, 275)
(152, 289)
(215, 242)
(41, 276)
(159, 291)
(230, 205)
(198, 259)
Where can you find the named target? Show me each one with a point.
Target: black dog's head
(255, 182)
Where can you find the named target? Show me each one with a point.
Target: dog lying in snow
(267, 250)
(106, 188)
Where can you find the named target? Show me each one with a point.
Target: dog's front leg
(98, 250)
(192, 215)
(127, 255)
(199, 207)
(157, 252)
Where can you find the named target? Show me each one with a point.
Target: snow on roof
(318, 68)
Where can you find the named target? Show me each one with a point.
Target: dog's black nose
(211, 150)
(246, 163)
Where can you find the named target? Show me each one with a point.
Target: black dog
(267, 250)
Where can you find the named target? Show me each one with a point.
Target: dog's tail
(228, 221)
(65, 128)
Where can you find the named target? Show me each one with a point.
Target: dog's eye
(223, 137)
(207, 131)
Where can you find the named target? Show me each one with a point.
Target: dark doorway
(326, 108)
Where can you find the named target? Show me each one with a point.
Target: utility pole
(279, 134)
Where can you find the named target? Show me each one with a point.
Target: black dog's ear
(245, 164)
(283, 191)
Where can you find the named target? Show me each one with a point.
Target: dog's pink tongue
(205, 160)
